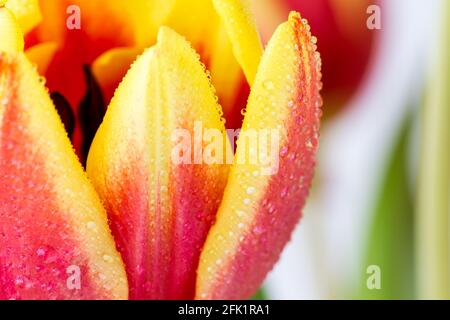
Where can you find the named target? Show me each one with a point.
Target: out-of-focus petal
(104, 25)
(27, 13)
(42, 54)
(241, 28)
(54, 237)
(269, 15)
(346, 43)
(227, 56)
(84, 30)
(160, 211)
(259, 211)
(11, 37)
(111, 66)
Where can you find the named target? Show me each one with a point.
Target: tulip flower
(140, 225)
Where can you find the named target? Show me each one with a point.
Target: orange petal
(104, 25)
(111, 66)
(160, 211)
(263, 199)
(54, 238)
(42, 54)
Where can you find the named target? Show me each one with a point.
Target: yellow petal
(27, 13)
(132, 23)
(160, 211)
(269, 181)
(111, 66)
(54, 237)
(241, 27)
(11, 37)
(42, 54)
(225, 53)
(146, 16)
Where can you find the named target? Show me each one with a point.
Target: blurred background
(376, 224)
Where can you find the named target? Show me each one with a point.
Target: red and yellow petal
(160, 210)
(346, 44)
(259, 210)
(53, 229)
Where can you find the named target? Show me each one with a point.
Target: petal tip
(11, 37)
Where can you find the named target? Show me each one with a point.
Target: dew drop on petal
(91, 225)
(284, 151)
(268, 84)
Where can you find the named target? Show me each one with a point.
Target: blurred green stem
(390, 243)
(260, 295)
(434, 176)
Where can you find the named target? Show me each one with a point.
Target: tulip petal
(11, 37)
(241, 28)
(160, 211)
(85, 29)
(42, 55)
(225, 53)
(111, 66)
(259, 210)
(54, 238)
(27, 13)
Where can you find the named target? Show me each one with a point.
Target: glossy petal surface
(160, 210)
(260, 208)
(54, 238)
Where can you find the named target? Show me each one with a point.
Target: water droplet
(258, 230)
(91, 225)
(41, 252)
(268, 84)
(284, 151)
(107, 258)
(291, 103)
(240, 213)
(247, 201)
(251, 190)
(19, 282)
